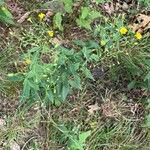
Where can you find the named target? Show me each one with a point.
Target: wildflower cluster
(124, 31)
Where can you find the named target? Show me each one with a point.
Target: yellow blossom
(27, 61)
(41, 16)
(50, 33)
(103, 42)
(138, 36)
(123, 30)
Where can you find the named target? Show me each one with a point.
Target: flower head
(27, 61)
(41, 16)
(138, 36)
(123, 30)
(50, 33)
(103, 42)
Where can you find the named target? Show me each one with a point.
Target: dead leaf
(117, 6)
(24, 17)
(93, 108)
(58, 41)
(16, 8)
(110, 109)
(49, 14)
(141, 23)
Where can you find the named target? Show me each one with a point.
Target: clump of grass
(19, 127)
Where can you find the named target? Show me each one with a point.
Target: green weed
(53, 81)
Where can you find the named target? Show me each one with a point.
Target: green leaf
(147, 62)
(73, 68)
(6, 16)
(50, 96)
(147, 78)
(83, 136)
(67, 52)
(57, 102)
(86, 52)
(131, 85)
(94, 15)
(65, 91)
(92, 44)
(68, 4)
(26, 90)
(94, 57)
(35, 49)
(84, 23)
(45, 48)
(79, 43)
(85, 12)
(75, 145)
(76, 83)
(76, 66)
(87, 73)
(58, 21)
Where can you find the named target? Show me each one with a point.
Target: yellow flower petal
(138, 36)
(41, 16)
(103, 43)
(123, 30)
(50, 33)
(27, 61)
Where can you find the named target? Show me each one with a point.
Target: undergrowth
(73, 93)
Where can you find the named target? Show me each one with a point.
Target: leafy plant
(53, 82)
(121, 53)
(68, 4)
(75, 138)
(58, 21)
(145, 2)
(76, 142)
(86, 17)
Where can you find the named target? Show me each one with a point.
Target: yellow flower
(138, 36)
(27, 61)
(103, 43)
(41, 16)
(123, 30)
(50, 33)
